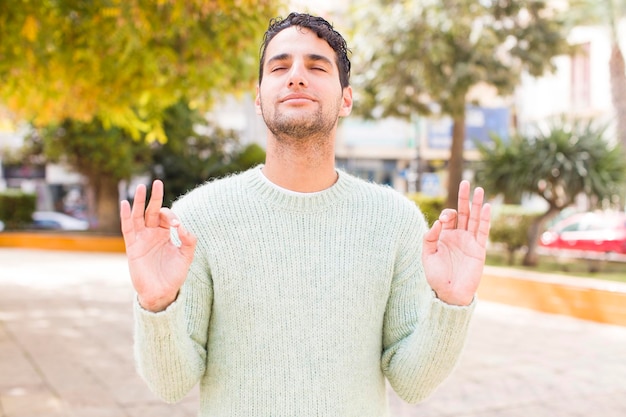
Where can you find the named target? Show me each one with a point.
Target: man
(295, 289)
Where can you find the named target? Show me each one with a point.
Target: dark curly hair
(319, 26)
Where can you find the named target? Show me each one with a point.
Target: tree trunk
(455, 164)
(511, 256)
(106, 193)
(618, 90)
(531, 258)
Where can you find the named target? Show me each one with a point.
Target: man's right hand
(157, 266)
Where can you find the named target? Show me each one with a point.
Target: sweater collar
(291, 201)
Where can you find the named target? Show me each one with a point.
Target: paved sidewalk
(66, 350)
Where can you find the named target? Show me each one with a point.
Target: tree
(429, 54)
(500, 171)
(104, 156)
(197, 152)
(557, 163)
(96, 75)
(125, 62)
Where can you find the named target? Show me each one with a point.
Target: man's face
(300, 95)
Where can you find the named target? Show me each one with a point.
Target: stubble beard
(313, 128)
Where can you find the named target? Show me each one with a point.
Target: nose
(297, 75)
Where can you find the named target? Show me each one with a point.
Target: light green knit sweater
(300, 305)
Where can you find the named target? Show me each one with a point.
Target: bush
(430, 206)
(16, 209)
(509, 226)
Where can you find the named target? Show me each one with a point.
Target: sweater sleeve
(170, 346)
(422, 337)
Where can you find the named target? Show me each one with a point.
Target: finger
(167, 218)
(431, 238)
(187, 242)
(153, 212)
(139, 205)
(476, 212)
(187, 239)
(483, 228)
(448, 219)
(463, 205)
(127, 223)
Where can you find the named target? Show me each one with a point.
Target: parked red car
(589, 231)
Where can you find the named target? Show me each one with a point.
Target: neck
(303, 167)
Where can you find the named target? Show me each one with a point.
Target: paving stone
(66, 351)
(30, 401)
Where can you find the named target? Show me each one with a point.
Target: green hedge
(16, 209)
(509, 226)
(430, 206)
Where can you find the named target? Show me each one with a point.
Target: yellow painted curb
(584, 298)
(588, 299)
(62, 241)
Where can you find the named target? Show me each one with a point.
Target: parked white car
(53, 220)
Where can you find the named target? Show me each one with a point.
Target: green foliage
(91, 149)
(429, 52)
(557, 163)
(103, 155)
(430, 206)
(510, 226)
(124, 62)
(197, 152)
(194, 153)
(596, 12)
(16, 209)
(250, 156)
(500, 168)
(426, 56)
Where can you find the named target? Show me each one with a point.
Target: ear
(346, 102)
(257, 101)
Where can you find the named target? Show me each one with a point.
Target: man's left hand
(455, 248)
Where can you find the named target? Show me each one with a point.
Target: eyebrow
(309, 57)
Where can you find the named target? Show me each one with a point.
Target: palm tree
(497, 171)
(557, 163)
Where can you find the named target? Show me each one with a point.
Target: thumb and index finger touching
(474, 217)
(137, 218)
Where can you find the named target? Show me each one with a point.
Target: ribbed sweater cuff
(155, 326)
(451, 316)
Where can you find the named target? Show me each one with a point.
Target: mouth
(297, 99)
